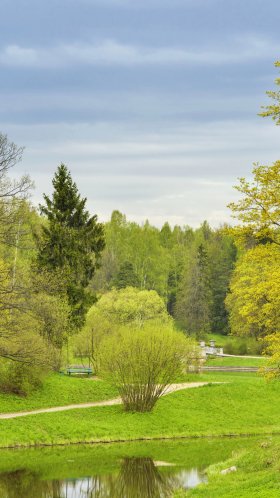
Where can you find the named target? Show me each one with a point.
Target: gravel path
(117, 401)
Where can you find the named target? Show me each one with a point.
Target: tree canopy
(254, 298)
(259, 209)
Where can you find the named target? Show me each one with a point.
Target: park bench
(79, 370)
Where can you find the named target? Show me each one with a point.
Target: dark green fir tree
(71, 243)
(126, 276)
(194, 299)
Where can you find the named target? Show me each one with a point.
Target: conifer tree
(71, 242)
(194, 300)
(126, 276)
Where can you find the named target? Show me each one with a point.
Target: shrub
(243, 346)
(142, 362)
(19, 378)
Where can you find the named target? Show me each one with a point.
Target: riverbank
(246, 405)
(256, 475)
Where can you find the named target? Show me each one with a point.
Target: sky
(152, 104)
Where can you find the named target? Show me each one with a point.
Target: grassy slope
(257, 475)
(248, 405)
(58, 390)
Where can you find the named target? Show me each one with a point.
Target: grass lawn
(226, 361)
(219, 339)
(58, 390)
(246, 405)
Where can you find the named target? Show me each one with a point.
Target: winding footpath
(117, 401)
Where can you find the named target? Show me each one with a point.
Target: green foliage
(141, 247)
(86, 342)
(222, 256)
(71, 242)
(130, 305)
(141, 363)
(32, 317)
(158, 259)
(21, 379)
(259, 209)
(126, 276)
(254, 299)
(273, 110)
(272, 342)
(193, 306)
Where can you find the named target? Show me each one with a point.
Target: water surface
(128, 470)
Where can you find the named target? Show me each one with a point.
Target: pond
(129, 470)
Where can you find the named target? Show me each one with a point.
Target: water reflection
(137, 478)
(27, 484)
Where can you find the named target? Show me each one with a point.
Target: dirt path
(117, 401)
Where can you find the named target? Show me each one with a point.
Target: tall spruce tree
(194, 299)
(126, 276)
(70, 243)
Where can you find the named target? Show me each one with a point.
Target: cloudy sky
(152, 104)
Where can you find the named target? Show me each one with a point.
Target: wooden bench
(79, 370)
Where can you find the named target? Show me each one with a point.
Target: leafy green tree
(272, 370)
(71, 241)
(253, 301)
(131, 305)
(259, 209)
(24, 351)
(254, 298)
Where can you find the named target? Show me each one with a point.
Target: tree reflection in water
(27, 484)
(137, 478)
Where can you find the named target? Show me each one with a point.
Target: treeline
(189, 268)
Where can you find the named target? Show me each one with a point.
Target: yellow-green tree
(273, 110)
(259, 208)
(273, 350)
(254, 298)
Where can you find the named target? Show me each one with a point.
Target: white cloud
(111, 52)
